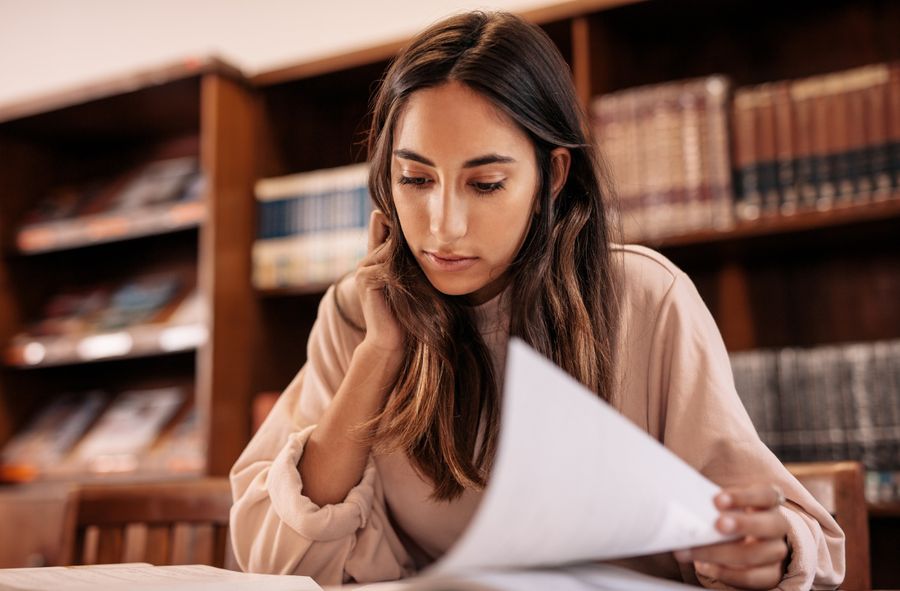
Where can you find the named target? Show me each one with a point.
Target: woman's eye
(418, 182)
(488, 187)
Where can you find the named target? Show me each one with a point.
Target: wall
(49, 45)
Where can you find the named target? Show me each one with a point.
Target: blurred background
(181, 182)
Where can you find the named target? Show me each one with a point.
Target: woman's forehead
(452, 121)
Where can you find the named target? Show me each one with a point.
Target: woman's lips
(449, 262)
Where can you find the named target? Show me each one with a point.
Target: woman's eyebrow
(472, 163)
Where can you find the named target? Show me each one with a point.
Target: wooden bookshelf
(801, 280)
(202, 108)
(128, 343)
(109, 227)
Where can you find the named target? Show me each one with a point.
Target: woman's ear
(560, 158)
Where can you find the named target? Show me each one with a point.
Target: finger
(762, 577)
(378, 229)
(759, 524)
(739, 554)
(756, 496)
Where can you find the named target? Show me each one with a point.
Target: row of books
(795, 145)
(152, 197)
(96, 433)
(667, 150)
(112, 319)
(828, 403)
(818, 142)
(312, 226)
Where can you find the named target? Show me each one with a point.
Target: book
(667, 149)
(826, 403)
(146, 577)
(45, 441)
(127, 429)
(312, 226)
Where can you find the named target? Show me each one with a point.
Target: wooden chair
(182, 522)
(840, 488)
(31, 519)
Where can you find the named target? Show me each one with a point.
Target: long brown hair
(562, 277)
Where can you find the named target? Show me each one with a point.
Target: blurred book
(153, 197)
(127, 429)
(45, 441)
(312, 226)
(179, 449)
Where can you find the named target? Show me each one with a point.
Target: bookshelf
(196, 110)
(807, 279)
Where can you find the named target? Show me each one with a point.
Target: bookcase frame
(83, 131)
(801, 280)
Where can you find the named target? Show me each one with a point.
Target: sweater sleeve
(274, 527)
(703, 421)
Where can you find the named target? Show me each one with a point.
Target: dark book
(748, 196)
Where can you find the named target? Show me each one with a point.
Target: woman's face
(464, 180)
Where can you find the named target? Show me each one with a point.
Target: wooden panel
(207, 500)
(581, 60)
(158, 544)
(752, 41)
(182, 544)
(135, 543)
(110, 544)
(33, 522)
(839, 487)
(229, 114)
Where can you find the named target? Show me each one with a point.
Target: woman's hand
(382, 329)
(757, 559)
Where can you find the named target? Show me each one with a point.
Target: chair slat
(158, 545)
(109, 544)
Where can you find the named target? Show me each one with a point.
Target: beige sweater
(675, 383)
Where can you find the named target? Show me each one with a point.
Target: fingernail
(725, 500)
(683, 555)
(727, 524)
(704, 568)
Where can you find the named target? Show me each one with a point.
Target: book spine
(839, 138)
(784, 148)
(801, 100)
(875, 95)
(748, 199)
(767, 165)
(696, 204)
(822, 175)
(893, 102)
(716, 146)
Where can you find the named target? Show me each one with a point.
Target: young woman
(492, 222)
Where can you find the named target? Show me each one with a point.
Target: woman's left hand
(756, 560)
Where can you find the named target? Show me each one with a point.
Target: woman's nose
(449, 216)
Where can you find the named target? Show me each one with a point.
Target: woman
(491, 222)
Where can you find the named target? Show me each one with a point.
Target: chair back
(181, 522)
(840, 488)
(31, 519)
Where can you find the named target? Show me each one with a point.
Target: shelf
(116, 86)
(128, 343)
(788, 224)
(884, 509)
(318, 288)
(109, 227)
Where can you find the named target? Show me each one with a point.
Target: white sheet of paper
(574, 480)
(144, 577)
(580, 577)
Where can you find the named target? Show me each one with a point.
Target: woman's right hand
(382, 329)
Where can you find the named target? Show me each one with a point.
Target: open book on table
(574, 482)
